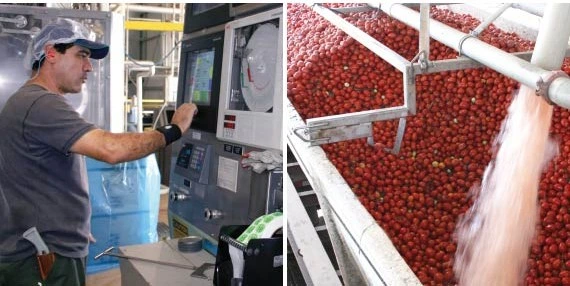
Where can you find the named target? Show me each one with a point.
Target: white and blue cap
(64, 31)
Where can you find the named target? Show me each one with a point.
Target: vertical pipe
(139, 102)
(424, 30)
(122, 9)
(550, 48)
(552, 40)
(144, 71)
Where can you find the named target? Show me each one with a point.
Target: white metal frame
(360, 245)
(310, 254)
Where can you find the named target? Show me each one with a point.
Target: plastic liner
(125, 200)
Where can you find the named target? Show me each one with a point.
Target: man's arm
(115, 148)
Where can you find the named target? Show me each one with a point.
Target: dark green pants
(65, 272)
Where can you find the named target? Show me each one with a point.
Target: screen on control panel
(199, 78)
(199, 74)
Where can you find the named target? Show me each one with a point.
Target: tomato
(418, 195)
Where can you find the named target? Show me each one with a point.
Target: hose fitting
(544, 83)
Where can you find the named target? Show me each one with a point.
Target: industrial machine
(250, 113)
(213, 198)
(209, 188)
(101, 100)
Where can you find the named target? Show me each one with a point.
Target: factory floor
(113, 277)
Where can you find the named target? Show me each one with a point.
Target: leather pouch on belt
(45, 261)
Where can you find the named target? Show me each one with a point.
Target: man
(43, 180)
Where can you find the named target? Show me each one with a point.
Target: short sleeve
(52, 121)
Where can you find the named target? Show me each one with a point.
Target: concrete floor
(113, 277)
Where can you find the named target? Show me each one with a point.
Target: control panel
(193, 162)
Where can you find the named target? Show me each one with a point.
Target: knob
(178, 197)
(210, 214)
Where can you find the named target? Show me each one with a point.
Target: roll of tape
(263, 227)
(190, 244)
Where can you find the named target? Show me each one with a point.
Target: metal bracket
(424, 37)
(302, 128)
(342, 127)
(544, 83)
(334, 128)
(460, 45)
(339, 133)
(463, 62)
(310, 130)
(20, 21)
(399, 137)
(422, 60)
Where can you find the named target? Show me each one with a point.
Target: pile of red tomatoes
(417, 195)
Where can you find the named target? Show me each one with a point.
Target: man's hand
(184, 115)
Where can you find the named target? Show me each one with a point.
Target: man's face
(71, 69)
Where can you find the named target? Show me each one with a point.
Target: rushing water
(495, 236)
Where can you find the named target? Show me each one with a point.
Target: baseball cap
(64, 31)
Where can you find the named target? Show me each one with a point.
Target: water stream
(495, 236)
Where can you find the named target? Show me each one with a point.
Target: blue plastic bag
(125, 200)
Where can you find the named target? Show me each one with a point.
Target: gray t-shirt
(42, 184)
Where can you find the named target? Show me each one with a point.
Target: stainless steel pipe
(494, 58)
